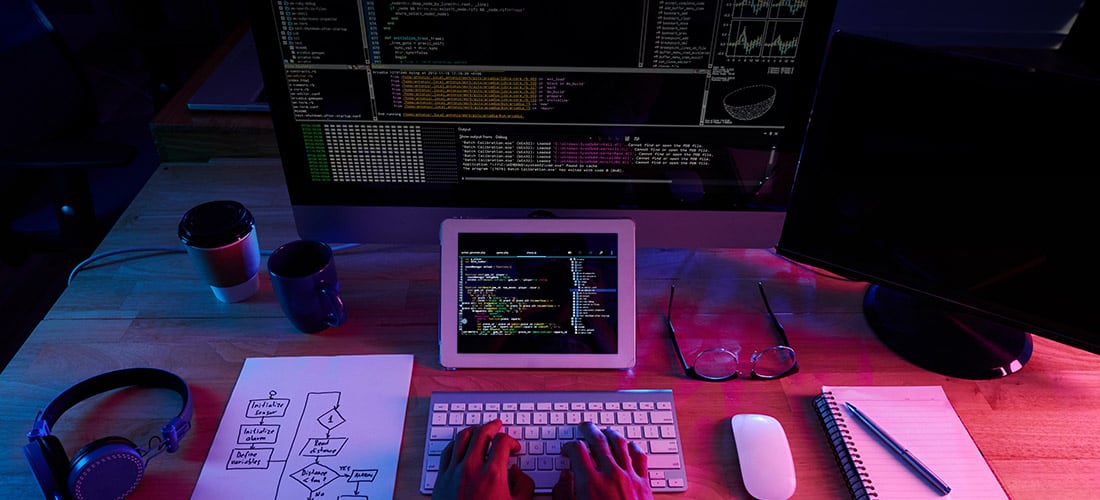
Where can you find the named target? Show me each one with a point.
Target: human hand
(603, 465)
(474, 465)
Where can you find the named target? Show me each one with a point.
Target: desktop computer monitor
(962, 190)
(391, 116)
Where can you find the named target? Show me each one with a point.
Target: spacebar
(663, 461)
(544, 480)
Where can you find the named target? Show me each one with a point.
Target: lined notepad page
(922, 419)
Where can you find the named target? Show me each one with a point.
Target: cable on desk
(84, 263)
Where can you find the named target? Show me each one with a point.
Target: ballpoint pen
(905, 454)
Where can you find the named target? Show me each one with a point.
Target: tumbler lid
(215, 223)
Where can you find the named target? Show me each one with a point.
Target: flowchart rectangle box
(270, 407)
(363, 475)
(257, 433)
(249, 458)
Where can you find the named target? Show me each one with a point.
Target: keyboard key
(436, 447)
(664, 462)
(660, 417)
(664, 446)
(436, 432)
(553, 447)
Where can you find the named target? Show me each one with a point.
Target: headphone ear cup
(110, 467)
(49, 464)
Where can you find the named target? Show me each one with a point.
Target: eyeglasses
(718, 364)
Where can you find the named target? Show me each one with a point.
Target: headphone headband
(126, 377)
(109, 467)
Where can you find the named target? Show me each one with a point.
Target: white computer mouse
(767, 467)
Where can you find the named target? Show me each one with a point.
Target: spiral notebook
(922, 419)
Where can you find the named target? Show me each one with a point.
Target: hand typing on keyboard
(603, 465)
(474, 465)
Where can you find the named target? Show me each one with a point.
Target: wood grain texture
(1039, 428)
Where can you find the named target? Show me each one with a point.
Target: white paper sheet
(309, 428)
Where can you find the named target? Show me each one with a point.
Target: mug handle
(337, 314)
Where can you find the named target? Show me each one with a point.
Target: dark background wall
(137, 54)
(162, 40)
(140, 52)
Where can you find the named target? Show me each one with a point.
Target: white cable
(98, 256)
(93, 258)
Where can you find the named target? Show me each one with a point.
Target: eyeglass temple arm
(775, 321)
(672, 331)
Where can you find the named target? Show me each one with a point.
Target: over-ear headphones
(107, 468)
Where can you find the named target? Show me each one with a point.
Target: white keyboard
(541, 421)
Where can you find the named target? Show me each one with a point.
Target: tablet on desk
(537, 293)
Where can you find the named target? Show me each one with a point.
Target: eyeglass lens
(773, 362)
(715, 363)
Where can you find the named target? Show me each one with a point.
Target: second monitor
(961, 189)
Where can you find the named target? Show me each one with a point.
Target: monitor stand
(938, 338)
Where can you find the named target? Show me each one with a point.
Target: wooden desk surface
(1039, 428)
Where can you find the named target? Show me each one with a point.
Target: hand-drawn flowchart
(261, 438)
(281, 437)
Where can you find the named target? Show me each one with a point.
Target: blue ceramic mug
(303, 275)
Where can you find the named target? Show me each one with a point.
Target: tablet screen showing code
(542, 293)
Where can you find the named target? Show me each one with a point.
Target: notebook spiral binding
(847, 456)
